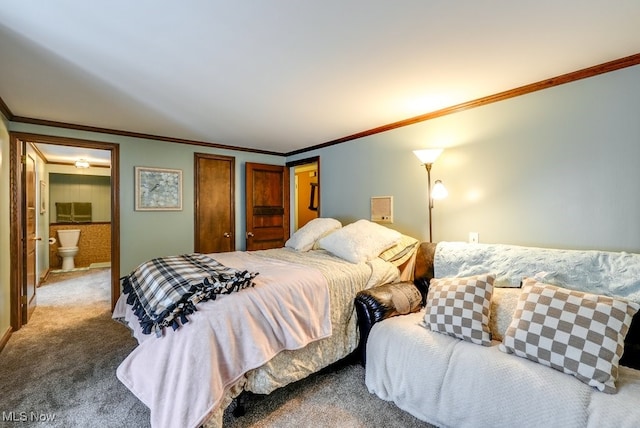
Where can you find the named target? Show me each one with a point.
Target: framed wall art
(43, 197)
(158, 189)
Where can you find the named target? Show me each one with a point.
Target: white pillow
(304, 238)
(382, 273)
(360, 241)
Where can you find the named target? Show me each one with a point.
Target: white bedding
(598, 272)
(345, 279)
(453, 383)
(185, 377)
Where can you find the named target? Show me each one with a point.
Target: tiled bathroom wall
(94, 245)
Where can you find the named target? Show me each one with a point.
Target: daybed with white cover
(544, 355)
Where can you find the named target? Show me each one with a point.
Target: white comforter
(453, 383)
(598, 272)
(183, 376)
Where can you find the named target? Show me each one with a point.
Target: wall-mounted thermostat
(382, 209)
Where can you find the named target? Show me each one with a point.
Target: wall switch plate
(474, 238)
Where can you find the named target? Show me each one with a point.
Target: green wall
(94, 189)
(554, 168)
(144, 234)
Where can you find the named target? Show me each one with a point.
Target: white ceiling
(282, 75)
(68, 155)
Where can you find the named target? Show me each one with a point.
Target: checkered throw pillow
(581, 334)
(460, 307)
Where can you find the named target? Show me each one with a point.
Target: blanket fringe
(176, 315)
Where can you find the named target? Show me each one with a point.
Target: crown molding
(595, 70)
(4, 109)
(110, 131)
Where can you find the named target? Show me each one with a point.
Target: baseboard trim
(44, 277)
(5, 338)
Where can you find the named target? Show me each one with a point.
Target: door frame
(16, 207)
(292, 165)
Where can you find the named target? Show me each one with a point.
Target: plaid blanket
(165, 290)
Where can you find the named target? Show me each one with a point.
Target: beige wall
(304, 177)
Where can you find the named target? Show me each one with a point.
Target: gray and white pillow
(460, 307)
(581, 334)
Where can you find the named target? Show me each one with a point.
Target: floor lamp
(438, 191)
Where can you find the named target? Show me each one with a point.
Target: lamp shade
(427, 156)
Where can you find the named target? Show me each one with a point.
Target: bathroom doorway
(58, 155)
(77, 221)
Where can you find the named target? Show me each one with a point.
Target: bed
(297, 318)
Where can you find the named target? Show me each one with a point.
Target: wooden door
(214, 203)
(267, 202)
(30, 239)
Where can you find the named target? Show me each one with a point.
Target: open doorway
(30, 203)
(305, 175)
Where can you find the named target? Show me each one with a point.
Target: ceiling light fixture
(81, 163)
(428, 157)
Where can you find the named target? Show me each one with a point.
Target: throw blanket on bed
(182, 377)
(166, 289)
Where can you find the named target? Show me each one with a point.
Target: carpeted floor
(59, 371)
(62, 364)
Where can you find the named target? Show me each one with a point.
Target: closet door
(214, 203)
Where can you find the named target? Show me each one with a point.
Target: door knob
(250, 235)
(226, 235)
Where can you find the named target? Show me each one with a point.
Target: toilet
(68, 247)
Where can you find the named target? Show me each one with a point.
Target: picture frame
(158, 189)
(43, 197)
